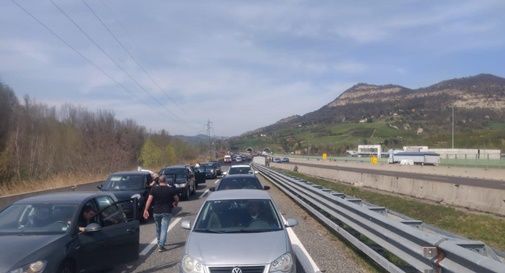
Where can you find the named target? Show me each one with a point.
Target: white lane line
(155, 241)
(204, 193)
(308, 264)
(217, 180)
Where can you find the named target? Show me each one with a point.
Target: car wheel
(67, 267)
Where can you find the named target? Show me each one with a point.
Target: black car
(210, 170)
(240, 181)
(129, 185)
(182, 178)
(200, 175)
(216, 166)
(42, 234)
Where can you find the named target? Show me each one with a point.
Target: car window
(37, 218)
(239, 170)
(124, 182)
(230, 183)
(110, 213)
(238, 216)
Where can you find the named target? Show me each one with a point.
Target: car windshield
(239, 170)
(124, 182)
(175, 171)
(41, 218)
(238, 216)
(230, 183)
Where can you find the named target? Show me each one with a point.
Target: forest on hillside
(38, 141)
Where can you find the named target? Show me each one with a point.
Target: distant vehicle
(260, 160)
(129, 185)
(42, 234)
(285, 160)
(216, 166)
(277, 160)
(240, 169)
(240, 181)
(227, 159)
(200, 175)
(210, 170)
(182, 178)
(239, 220)
(417, 158)
(238, 159)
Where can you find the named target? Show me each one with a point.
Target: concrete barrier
(469, 197)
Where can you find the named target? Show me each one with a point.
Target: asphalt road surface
(475, 182)
(317, 249)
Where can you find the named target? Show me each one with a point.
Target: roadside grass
(57, 181)
(476, 226)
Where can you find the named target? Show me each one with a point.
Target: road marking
(204, 193)
(217, 180)
(301, 253)
(155, 241)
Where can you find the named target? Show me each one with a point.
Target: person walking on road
(163, 198)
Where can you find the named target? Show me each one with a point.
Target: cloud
(242, 64)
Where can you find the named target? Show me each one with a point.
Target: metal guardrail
(424, 248)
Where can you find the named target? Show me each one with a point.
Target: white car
(227, 159)
(240, 169)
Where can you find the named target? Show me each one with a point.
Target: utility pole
(209, 129)
(453, 127)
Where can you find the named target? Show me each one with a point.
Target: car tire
(67, 267)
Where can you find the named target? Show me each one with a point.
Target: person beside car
(163, 198)
(87, 217)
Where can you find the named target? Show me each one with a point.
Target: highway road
(475, 182)
(316, 248)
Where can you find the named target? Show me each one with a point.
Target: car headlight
(282, 264)
(135, 196)
(182, 185)
(35, 267)
(191, 265)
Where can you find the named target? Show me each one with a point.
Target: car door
(89, 246)
(121, 237)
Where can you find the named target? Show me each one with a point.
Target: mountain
(396, 115)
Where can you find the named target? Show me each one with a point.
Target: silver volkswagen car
(238, 231)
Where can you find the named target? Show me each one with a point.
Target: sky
(174, 65)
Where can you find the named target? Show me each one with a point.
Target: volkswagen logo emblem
(236, 270)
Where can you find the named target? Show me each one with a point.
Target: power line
(124, 88)
(114, 36)
(109, 57)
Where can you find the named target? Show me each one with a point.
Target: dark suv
(129, 185)
(182, 178)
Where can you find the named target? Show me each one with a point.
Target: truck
(260, 160)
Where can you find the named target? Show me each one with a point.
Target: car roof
(176, 166)
(70, 197)
(130, 173)
(240, 166)
(238, 194)
(234, 176)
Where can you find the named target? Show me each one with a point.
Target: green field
(336, 138)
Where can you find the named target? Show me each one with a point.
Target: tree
(151, 155)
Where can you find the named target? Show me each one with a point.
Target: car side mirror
(93, 227)
(266, 188)
(186, 224)
(212, 189)
(99, 186)
(290, 222)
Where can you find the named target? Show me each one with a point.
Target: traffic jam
(237, 227)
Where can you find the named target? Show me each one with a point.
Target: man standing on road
(163, 199)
